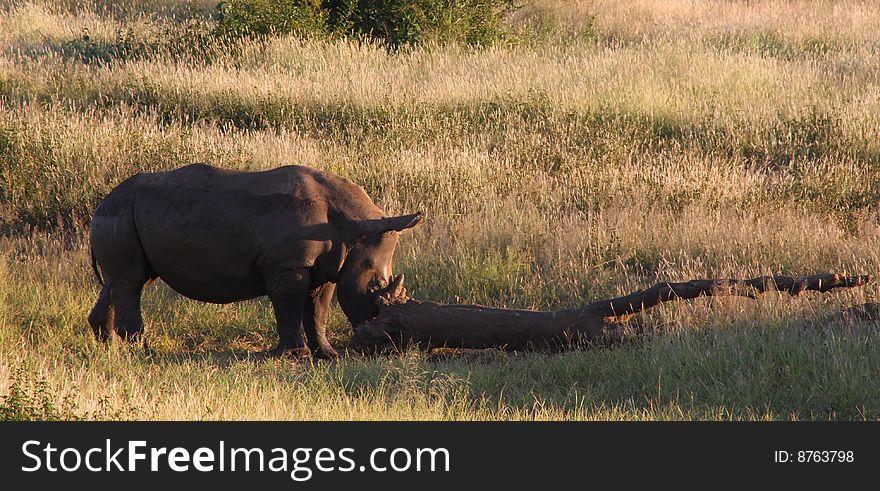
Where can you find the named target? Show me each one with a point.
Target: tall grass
(604, 146)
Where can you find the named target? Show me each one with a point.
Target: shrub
(238, 18)
(30, 399)
(396, 22)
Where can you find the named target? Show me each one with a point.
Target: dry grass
(606, 146)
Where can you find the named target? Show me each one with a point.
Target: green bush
(239, 18)
(30, 399)
(396, 22)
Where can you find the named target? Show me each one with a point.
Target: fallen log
(403, 321)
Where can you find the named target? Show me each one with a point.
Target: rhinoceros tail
(95, 268)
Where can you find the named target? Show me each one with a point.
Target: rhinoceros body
(215, 235)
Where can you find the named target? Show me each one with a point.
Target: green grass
(601, 148)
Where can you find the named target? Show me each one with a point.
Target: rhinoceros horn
(387, 224)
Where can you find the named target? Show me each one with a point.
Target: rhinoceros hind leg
(118, 252)
(101, 316)
(126, 299)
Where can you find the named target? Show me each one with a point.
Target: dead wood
(403, 321)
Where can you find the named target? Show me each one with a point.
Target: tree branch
(403, 321)
(751, 288)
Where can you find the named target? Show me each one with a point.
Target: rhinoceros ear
(397, 224)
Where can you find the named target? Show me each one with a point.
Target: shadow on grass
(806, 368)
(223, 358)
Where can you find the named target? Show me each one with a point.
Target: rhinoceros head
(367, 271)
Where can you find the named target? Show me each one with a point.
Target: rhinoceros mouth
(392, 293)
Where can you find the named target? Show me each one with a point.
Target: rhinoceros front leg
(315, 321)
(288, 291)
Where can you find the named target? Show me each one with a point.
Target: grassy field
(603, 146)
